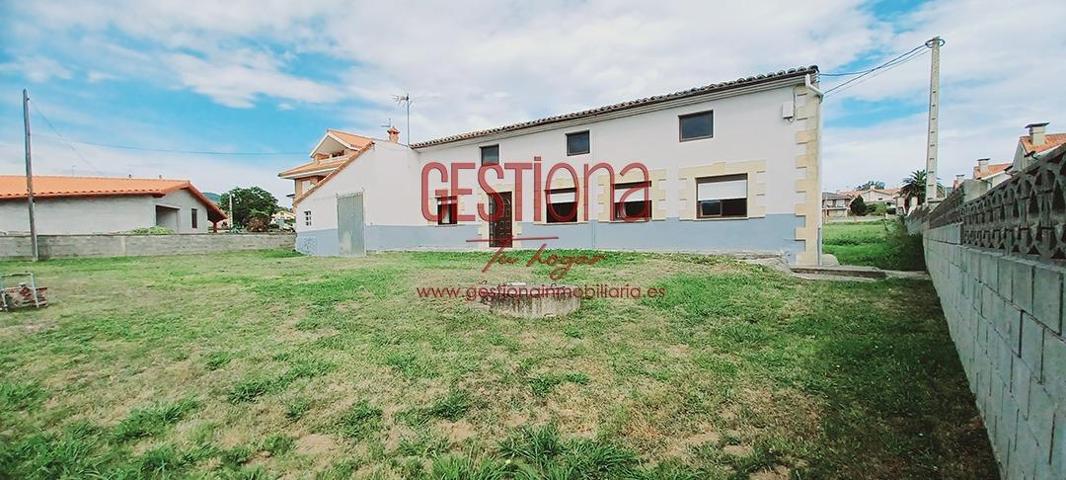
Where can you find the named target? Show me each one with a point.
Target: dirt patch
(683, 447)
(316, 444)
(457, 432)
(779, 472)
(738, 450)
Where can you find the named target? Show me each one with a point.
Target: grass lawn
(882, 243)
(266, 364)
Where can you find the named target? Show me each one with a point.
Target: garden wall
(120, 245)
(997, 264)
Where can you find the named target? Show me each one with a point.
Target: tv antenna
(405, 100)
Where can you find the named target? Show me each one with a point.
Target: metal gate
(350, 239)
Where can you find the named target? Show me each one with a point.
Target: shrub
(151, 231)
(858, 207)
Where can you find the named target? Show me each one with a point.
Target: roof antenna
(405, 100)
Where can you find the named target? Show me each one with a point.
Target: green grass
(265, 365)
(883, 244)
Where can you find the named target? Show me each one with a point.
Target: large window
(562, 205)
(577, 143)
(634, 207)
(307, 218)
(195, 220)
(447, 211)
(695, 126)
(490, 155)
(725, 196)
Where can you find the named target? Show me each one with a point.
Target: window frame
(450, 202)
(681, 131)
(195, 219)
(482, 150)
(588, 137)
(617, 202)
(307, 218)
(721, 178)
(548, 218)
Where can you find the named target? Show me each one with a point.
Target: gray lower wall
(64, 246)
(771, 234)
(1005, 316)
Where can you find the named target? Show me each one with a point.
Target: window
(695, 126)
(562, 205)
(195, 221)
(447, 210)
(577, 143)
(725, 196)
(490, 155)
(636, 206)
(307, 218)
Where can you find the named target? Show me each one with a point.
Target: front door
(350, 240)
(500, 229)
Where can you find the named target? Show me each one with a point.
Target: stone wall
(1005, 316)
(118, 245)
(997, 261)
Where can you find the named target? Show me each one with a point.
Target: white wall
(185, 202)
(57, 216)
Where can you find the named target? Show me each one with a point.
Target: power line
(167, 150)
(844, 86)
(64, 139)
(899, 59)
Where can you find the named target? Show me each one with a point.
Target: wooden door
(500, 229)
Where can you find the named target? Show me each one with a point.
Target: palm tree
(914, 187)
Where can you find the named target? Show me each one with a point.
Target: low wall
(120, 245)
(1005, 317)
(997, 258)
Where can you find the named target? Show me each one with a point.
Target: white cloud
(36, 69)
(477, 63)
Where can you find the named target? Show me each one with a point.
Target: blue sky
(270, 76)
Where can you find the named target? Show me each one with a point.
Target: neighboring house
(335, 148)
(732, 166)
(991, 174)
(1037, 142)
(835, 205)
(79, 205)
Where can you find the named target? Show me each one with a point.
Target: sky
(264, 78)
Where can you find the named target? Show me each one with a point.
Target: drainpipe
(807, 82)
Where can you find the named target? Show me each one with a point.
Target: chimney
(982, 165)
(1036, 133)
(958, 180)
(394, 135)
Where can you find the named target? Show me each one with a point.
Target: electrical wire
(844, 87)
(898, 60)
(64, 139)
(191, 152)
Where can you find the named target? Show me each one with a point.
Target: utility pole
(931, 193)
(29, 173)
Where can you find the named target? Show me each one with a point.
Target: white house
(732, 166)
(84, 205)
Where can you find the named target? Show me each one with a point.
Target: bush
(151, 231)
(858, 207)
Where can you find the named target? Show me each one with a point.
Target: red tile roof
(1051, 140)
(351, 158)
(992, 170)
(322, 167)
(13, 187)
(714, 87)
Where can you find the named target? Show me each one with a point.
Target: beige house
(835, 205)
(333, 150)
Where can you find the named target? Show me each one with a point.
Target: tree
(858, 207)
(248, 203)
(914, 187)
(871, 184)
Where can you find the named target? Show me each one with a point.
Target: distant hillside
(214, 197)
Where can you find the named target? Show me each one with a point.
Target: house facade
(729, 167)
(87, 205)
(335, 148)
(1038, 141)
(835, 205)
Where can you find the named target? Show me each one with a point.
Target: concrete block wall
(117, 245)
(1005, 314)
